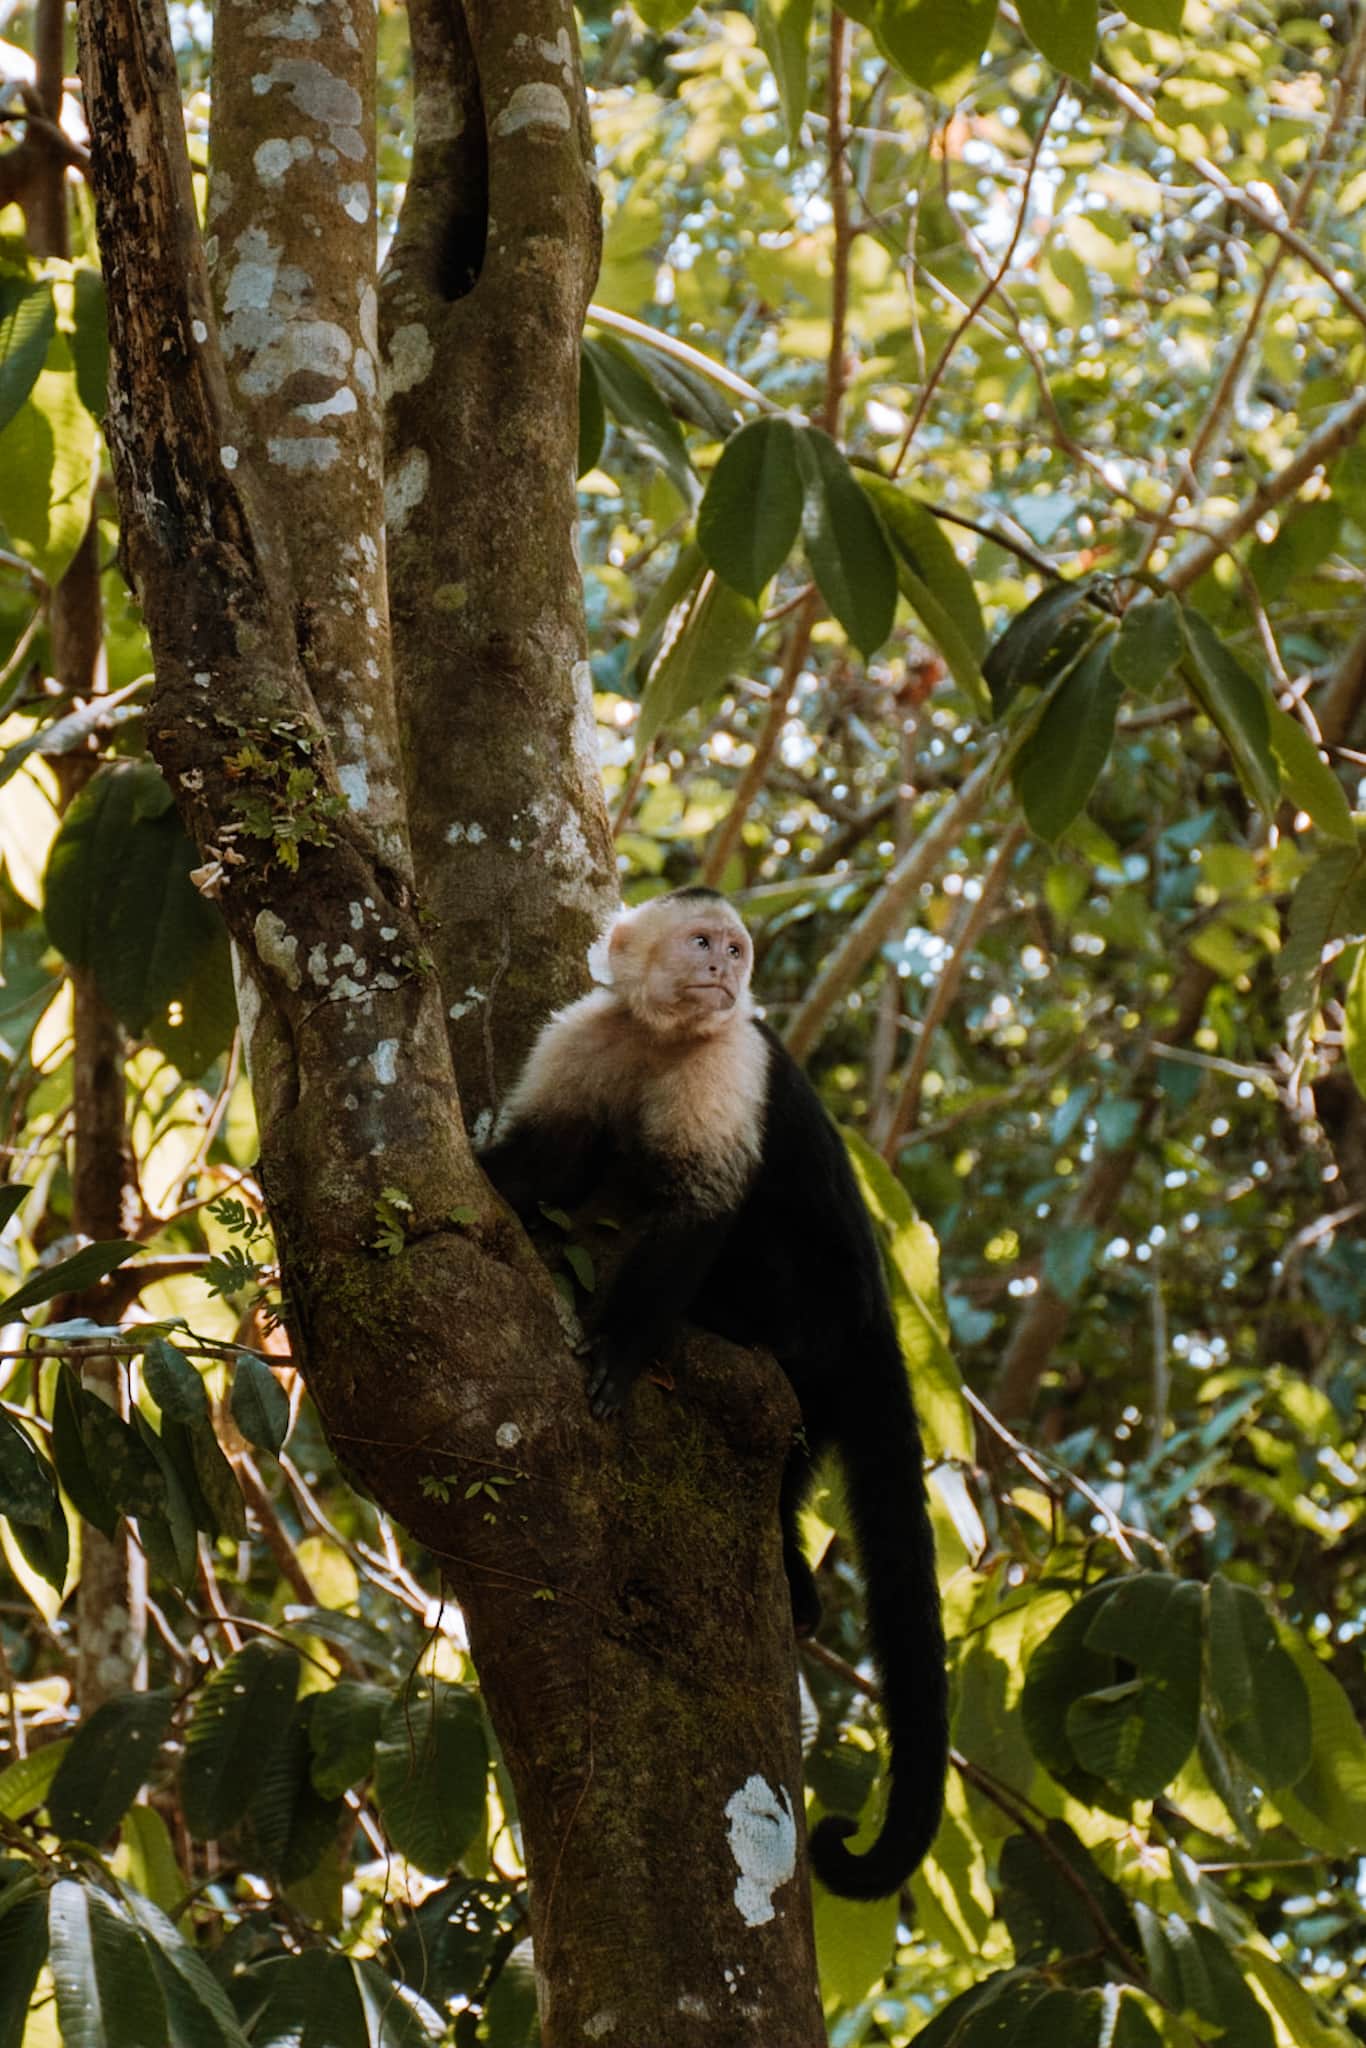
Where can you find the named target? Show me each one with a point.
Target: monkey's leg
(652, 1293)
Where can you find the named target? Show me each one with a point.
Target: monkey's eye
(701, 939)
(734, 951)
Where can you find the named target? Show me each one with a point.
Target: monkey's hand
(611, 1375)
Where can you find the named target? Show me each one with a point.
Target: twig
(691, 358)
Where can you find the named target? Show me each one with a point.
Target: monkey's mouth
(721, 997)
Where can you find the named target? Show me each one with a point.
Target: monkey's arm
(554, 1159)
(659, 1280)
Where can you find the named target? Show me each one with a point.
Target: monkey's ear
(606, 950)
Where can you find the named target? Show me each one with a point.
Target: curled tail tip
(880, 1870)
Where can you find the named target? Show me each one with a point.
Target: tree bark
(625, 1597)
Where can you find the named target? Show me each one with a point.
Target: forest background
(972, 513)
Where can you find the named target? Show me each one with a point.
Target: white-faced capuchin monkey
(665, 1083)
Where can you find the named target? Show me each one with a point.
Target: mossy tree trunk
(625, 1597)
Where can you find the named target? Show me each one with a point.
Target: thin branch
(691, 358)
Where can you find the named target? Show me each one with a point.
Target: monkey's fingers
(607, 1387)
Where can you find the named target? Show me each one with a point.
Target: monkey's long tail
(883, 1464)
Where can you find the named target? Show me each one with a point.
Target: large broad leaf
(933, 41)
(69, 1276)
(260, 1406)
(592, 416)
(200, 2010)
(108, 1995)
(129, 1475)
(120, 901)
(1054, 1897)
(1065, 30)
(911, 1256)
(24, 1783)
(640, 412)
(1327, 910)
(342, 1734)
(748, 520)
(431, 1772)
(662, 15)
(1043, 641)
(935, 584)
(28, 1486)
(324, 2000)
(846, 544)
(243, 1715)
(1327, 1806)
(23, 1951)
(28, 321)
(1137, 1732)
(1238, 704)
(1149, 644)
(173, 1383)
(1262, 1700)
(85, 1487)
(1059, 763)
(292, 1823)
(112, 1755)
(1063, 1670)
(1307, 779)
(49, 460)
(716, 635)
(90, 342)
(784, 34)
(1194, 1971)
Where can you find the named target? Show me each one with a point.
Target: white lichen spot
(330, 101)
(355, 201)
(474, 835)
(411, 357)
(357, 917)
(384, 1061)
(202, 678)
(341, 402)
(317, 965)
(600, 2025)
(481, 1133)
(199, 331)
(694, 2008)
(516, 845)
(228, 457)
(559, 53)
(763, 1841)
(277, 948)
(388, 931)
(345, 956)
(508, 1435)
(539, 105)
(272, 159)
(300, 454)
(459, 1010)
(405, 488)
(252, 284)
(300, 25)
(363, 370)
(355, 787)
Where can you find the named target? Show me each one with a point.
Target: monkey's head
(682, 963)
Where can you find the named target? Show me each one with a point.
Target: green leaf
(321, 1999)
(933, 41)
(1327, 1806)
(293, 1824)
(1063, 1670)
(911, 1260)
(1328, 905)
(28, 1486)
(23, 1951)
(28, 321)
(111, 1757)
(1164, 15)
(108, 1995)
(12, 1200)
(752, 509)
(217, 1483)
(343, 1732)
(200, 2009)
(636, 406)
(935, 584)
(1068, 1257)
(1136, 1733)
(512, 2014)
(1194, 1971)
(1052, 1894)
(667, 610)
(167, 1526)
(24, 1783)
(592, 417)
(1149, 644)
(90, 342)
(784, 36)
(1237, 704)
(120, 901)
(1261, 1698)
(173, 1383)
(1043, 641)
(69, 1276)
(146, 1841)
(244, 1714)
(1059, 763)
(1307, 779)
(1354, 1021)
(714, 639)
(1065, 31)
(46, 1546)
(49, 460)
(846, 544)
(431, 1770)
(662, 15)
(130, 1477)
(260, 1406)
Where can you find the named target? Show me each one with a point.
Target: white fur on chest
(697, 1104)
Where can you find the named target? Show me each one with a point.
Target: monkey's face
(692, 968)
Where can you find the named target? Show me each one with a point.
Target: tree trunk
(624, 1593)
